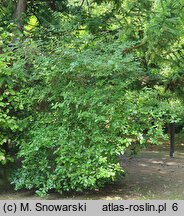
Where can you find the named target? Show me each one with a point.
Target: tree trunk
(20, 9)
(52, 5)
(171, 131)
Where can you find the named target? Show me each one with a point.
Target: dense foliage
(82, 83)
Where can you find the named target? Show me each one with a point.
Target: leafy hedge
(84, 114)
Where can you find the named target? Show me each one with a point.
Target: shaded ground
(150, 175)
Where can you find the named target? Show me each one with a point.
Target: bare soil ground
(149, 175)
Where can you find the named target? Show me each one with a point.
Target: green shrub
(11, 104)
(84, 114)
